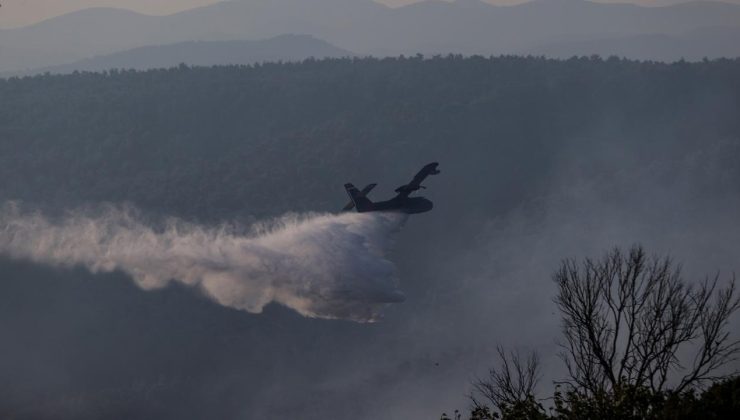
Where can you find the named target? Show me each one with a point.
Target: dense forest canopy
(234, 136)
(541, 159)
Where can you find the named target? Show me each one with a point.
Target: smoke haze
(320, 265)
(562, 28)
(541, 160)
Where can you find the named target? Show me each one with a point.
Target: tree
(638, 343)
(629, 322)
(509, 389)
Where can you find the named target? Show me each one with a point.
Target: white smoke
(321, 265)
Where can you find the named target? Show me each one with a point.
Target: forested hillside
(541, 160)
(214, 142)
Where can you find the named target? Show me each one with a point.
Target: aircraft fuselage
(409, 205)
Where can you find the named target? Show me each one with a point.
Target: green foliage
(528, 409)
(719, 401)
(627, 403)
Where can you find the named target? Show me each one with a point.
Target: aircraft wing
(415, 184)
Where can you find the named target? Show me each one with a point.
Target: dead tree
(631, 321)
(509, 386)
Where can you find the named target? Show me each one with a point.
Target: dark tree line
(233, 135)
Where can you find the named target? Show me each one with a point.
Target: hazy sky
(24, 12)
(16, 13)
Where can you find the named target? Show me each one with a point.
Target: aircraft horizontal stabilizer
(364, 193)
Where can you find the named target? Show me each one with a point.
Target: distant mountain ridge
(362, 26)
(206, 53)
(692, 46)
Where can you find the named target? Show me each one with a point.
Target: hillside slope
(207, 53)
(541, 160)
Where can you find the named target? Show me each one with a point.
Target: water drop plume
(321, 265)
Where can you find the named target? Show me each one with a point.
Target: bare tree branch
(513, 382)
(627, 320)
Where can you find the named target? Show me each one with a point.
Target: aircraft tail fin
(364, 193)
(361, 202)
